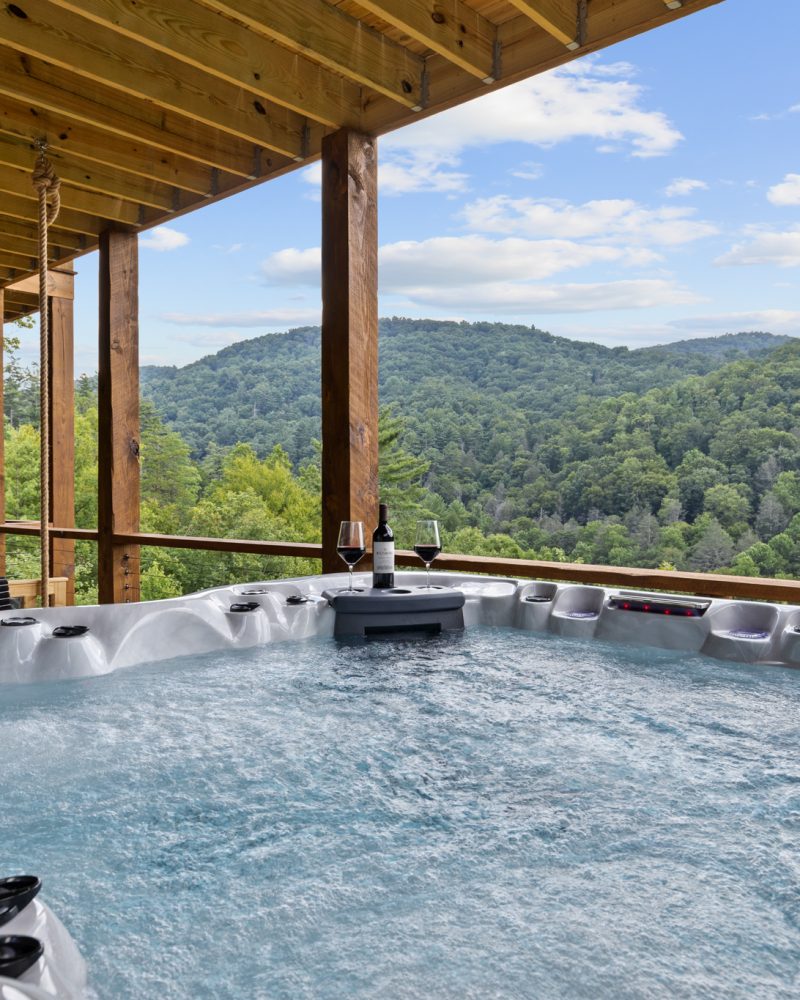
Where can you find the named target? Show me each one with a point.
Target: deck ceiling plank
(23, 208)
(22, 300)
(59, 284)
(96, 179)
(54, 89)
(24, 235)
(559, 18)
(100, 206)
(448, 27)
(321, 32)
(204, 40)
(75, 140)
(104, 57)
(18, 261)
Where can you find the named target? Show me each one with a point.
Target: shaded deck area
(156, 108)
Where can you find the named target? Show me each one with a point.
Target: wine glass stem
(428, 571)
(350, 568)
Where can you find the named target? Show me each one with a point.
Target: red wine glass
(427, 545)
(351, 544)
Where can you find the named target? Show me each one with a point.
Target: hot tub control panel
(657, 604)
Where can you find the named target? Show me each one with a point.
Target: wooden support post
(118, 419)
(349, 336)
(2, 440)
(62, 434)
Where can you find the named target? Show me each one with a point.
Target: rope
(47, 188)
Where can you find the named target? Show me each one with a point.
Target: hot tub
(63, 643)
(539, 805)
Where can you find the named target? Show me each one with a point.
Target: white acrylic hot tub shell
(125, 635)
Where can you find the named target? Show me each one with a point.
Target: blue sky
(649, 194)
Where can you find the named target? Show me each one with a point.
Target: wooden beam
(325, 34)
(95, 178)
(559, 18)
(624, 577)
(115, 61)
(30, 529)
(16, 300)
(18, 258)
(55, 90)
(349, 336)
(203, 40)
(60, 285)
(62, 431)
(24, 234)
(77, 143)
(28, 592)
(24, 210)
(118, 418)
(299, 550)
(18, 182)
(449, 27)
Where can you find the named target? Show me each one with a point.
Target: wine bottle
(382, 552)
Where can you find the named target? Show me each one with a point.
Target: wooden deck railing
(28, 591)
(627, 577)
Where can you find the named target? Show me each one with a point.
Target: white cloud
(583, 100)
(216, 340)
(769, 116)
(270, 318)
(455, 260)
(682, 186)
(162, 239)
(787, 192)
(509, 298)
(611, 220)
(476, 274)
(529, 170)
(778, 249)
(406, 173)
(785, 321)
(293, 266)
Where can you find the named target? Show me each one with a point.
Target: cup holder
(18, 622)
(18, 954)
(398, 590)
(244, 607)
(19, 890)
(69, 631)
(296, 599)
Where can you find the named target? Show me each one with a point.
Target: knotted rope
(47, 187)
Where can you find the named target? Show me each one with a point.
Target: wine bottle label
(383, 557)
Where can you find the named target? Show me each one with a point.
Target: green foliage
(521, 444)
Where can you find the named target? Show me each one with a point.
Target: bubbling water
(493, 814)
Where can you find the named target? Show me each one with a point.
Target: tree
(729, 505)
(713, 550)
(771, 517)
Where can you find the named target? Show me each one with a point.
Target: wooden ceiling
(152, 108)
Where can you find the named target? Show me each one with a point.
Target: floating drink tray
(370, 613)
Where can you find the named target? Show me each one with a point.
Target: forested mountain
(456, 383)
(522, 444)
